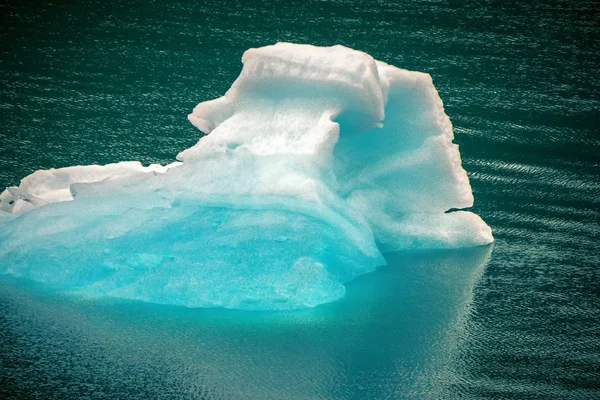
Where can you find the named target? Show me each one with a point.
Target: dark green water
(86, 83)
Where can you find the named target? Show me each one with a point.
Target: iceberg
(315, 162)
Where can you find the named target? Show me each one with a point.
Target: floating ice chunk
(316, 161)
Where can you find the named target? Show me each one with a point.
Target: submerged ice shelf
(315, 162)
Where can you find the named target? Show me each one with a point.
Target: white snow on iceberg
(315, 162)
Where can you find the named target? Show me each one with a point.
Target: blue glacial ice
(316, 161)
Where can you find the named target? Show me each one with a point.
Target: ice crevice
(315, 161)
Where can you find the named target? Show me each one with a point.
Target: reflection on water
(393, 335)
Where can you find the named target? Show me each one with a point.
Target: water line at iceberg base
(315, 163)
(396, 334)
